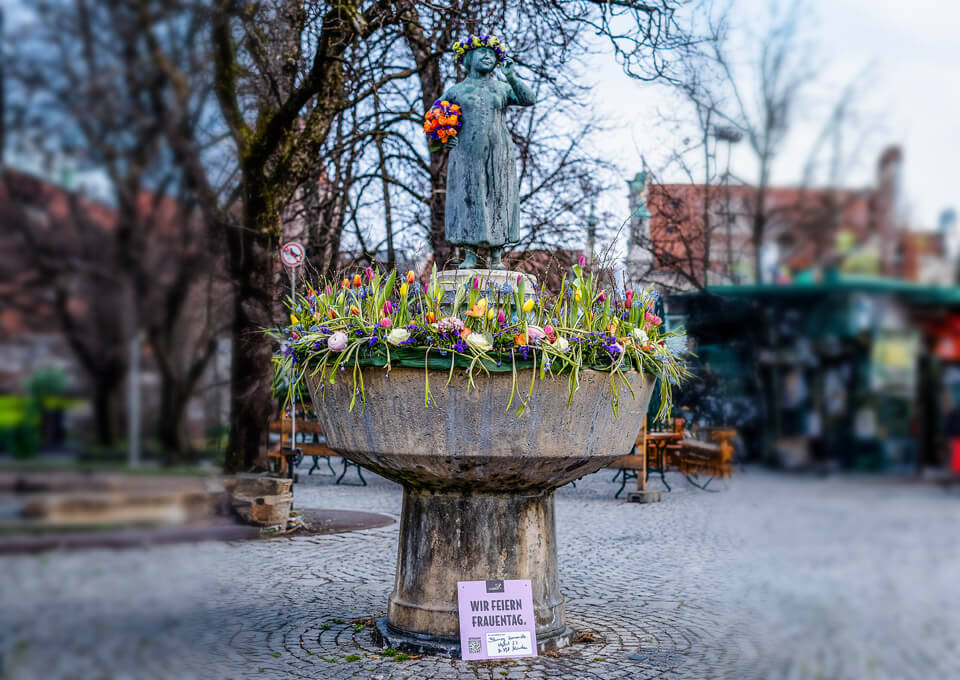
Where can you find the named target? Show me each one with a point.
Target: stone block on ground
(261, 500)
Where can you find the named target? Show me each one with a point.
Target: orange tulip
(431, 317)
(465, 333)
(332, 314)
(357, 281)
(345, 285)
(354, 309)
(520, 339)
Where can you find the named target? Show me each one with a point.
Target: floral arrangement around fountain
(372, 320)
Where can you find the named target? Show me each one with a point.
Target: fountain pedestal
(478, 482)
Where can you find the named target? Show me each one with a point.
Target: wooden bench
(316, 449)
(694, 457)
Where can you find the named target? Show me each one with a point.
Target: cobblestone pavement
(771, 577)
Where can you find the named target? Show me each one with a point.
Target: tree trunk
(443, 252)
(172, 423)
(251, 371)
(106, 407)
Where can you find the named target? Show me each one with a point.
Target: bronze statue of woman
(483, 193)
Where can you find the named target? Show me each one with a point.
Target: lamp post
(730, 135)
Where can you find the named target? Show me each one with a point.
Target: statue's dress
(483, 195)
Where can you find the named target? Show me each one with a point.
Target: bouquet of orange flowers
(441, 123)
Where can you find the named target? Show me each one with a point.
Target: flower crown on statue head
(472, 42)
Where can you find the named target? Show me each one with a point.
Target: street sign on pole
(292, 254)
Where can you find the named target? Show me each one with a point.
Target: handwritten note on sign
(496, 619)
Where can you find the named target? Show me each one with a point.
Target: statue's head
(481, 60)
(479, 52)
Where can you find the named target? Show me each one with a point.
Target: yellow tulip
(491, 313)
(294, 320)
(528, 306)
(482, 302)
(403, 290)
(577, 296)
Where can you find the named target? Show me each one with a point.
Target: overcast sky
(911, 55)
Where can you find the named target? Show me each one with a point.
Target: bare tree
(721, 101)
(140, 262)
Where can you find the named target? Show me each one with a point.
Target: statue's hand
(452, 142)
(507, 66)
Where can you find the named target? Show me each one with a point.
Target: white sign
(510, 644)
(292, 254)
(496, 619)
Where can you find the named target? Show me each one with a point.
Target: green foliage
(21, 417)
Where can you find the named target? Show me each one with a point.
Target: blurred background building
(841, 349)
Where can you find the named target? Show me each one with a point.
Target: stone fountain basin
(468, 440)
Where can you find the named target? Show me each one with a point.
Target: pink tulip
(387, 308)
(476, 283)
(519, 278)
(582, 261)
(653, 318)
(294, 336)
(548, 329)
(385, 322)
(337, 342)
(501, 317)
(629, 299)
(534, 333)
(369, 273)
(602, 297)
(329, 290)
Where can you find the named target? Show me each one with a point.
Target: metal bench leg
(619, 472)
(330, 465)
(346, 465)
(664, 480)
(315, 466)
(702, 487)
(360, 472)
(623, 484)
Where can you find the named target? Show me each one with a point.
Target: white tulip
(398, 335)
(479, 342)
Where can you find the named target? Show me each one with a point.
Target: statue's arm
(519, 92)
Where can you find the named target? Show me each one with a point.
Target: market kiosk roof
(833, 283)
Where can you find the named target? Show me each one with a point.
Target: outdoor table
(655, 446)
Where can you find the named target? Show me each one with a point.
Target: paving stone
(771, 577)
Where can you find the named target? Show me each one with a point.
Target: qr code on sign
(475, 646)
